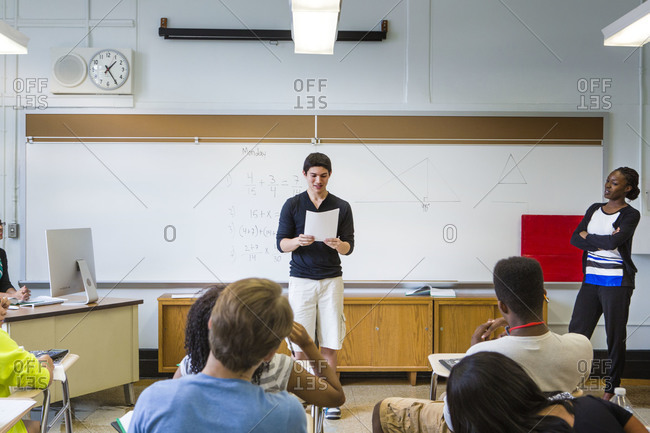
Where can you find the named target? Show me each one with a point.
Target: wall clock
(108, 69)
(88, 71)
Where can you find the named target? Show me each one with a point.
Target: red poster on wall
(547, 239)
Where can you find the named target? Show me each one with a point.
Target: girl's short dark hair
(488, 392)
(632, 179)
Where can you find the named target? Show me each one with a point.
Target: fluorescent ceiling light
(631, 30)
(11, 40)
(313, 27)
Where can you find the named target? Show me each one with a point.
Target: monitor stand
(90, 289)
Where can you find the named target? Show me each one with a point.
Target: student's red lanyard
(527, 325)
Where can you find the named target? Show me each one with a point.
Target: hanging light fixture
(313, 27)
(11, 40)
(631, 30)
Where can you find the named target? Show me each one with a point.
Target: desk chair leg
(317, 416)
(67, 407)
(45, 410)
(433, 389)
(129, 394)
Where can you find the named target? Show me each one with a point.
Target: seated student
(483, 400)
(21, 368)
(247, 324)
(6, 288)
(281, 373)
(555, 362)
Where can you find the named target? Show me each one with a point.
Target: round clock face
(108, 69)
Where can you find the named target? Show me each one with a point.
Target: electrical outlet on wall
(12, 230)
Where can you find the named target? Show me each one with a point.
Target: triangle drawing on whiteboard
(511, 174)
(420, 182)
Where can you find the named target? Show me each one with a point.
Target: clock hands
(108, 69)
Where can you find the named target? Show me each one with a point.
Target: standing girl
(605, 234)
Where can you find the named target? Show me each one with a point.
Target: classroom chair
(58, 375)
(317, 417)
(439, 370)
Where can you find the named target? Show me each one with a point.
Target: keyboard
(449, 363)
(39, 301)
(57, 355)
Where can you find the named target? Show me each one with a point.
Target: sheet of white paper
(12, 408)
(322, 225)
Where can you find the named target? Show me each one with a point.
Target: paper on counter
(322, 225)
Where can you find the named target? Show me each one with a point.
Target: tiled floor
(95, 412)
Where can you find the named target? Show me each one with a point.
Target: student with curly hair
(280, 373)
(482, 399)
(605, 234)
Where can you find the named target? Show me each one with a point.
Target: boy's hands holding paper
(305, 240)
(338, 245)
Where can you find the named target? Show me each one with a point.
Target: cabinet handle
(442, 329)
(377, 328)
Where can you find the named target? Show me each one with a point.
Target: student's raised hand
(300, 336)
(485, 330)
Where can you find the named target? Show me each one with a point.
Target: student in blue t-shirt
(248, 322)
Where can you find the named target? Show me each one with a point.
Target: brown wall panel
(153, 127)
(487, 130)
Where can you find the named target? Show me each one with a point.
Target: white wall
(441, 56)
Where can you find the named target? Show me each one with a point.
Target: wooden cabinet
(383, 333)
(172, 315)
(387, 334)
(456, 319)
(390, 333)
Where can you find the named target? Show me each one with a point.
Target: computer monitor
(71, 263)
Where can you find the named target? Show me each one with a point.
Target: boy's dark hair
(196, 328)
(317, 159)
(519, 283)
(248, 321)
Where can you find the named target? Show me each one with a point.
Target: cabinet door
(387, 336)
(171, 344)
(456, 322)
(359, 332)
(403, 335)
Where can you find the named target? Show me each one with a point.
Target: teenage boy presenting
(315, 278)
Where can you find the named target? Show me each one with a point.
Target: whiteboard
(179, 212)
